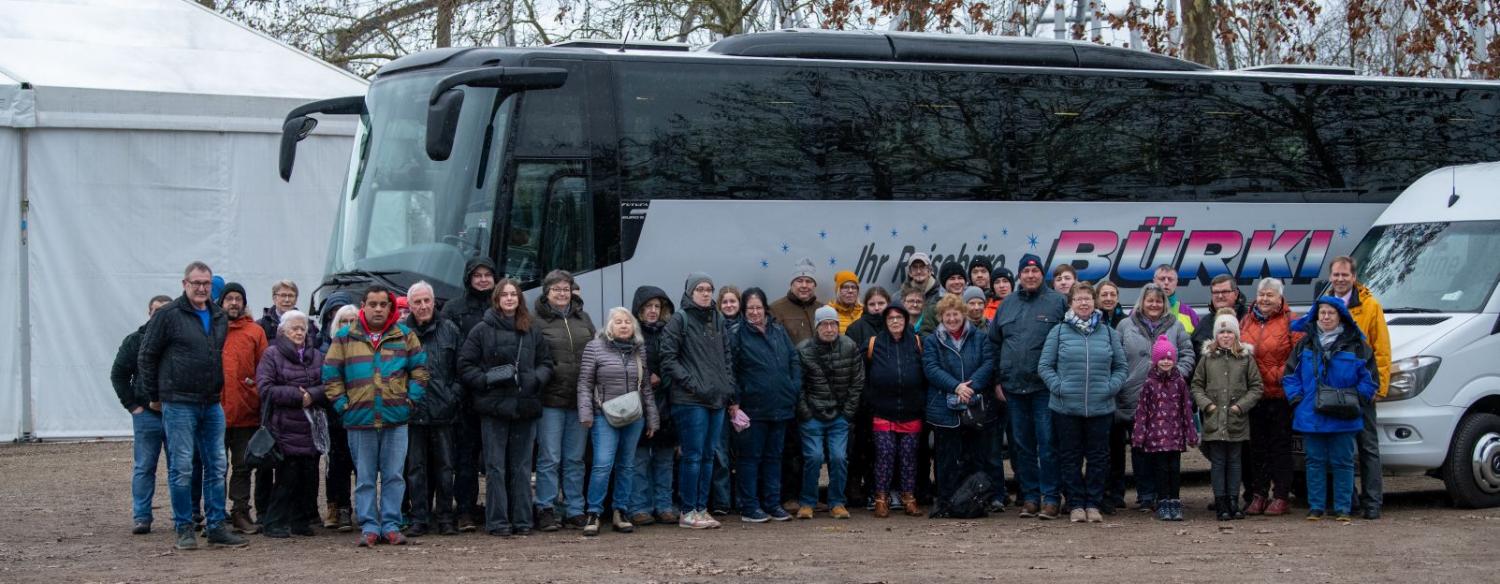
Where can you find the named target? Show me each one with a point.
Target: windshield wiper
(1410, 309)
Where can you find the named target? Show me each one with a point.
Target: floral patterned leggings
(886, 445)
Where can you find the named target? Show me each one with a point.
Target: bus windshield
(405, 215)
(1431, 267)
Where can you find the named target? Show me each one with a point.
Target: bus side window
(570, 225)
(551, 221)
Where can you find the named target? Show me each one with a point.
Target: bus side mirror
(442, 123)
(446, 101)
(299, 124)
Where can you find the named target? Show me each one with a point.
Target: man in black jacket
(429, 452)
(466, 311)
(149, 437)
(181, 369)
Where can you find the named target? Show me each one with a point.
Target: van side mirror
(299, 125)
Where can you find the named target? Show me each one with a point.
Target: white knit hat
(1227, 322)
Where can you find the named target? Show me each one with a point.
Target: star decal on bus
(785, 248)
(822, 234)
(984, 237)
(867, 228)
(893, 232)
(1343, 232)
(924, 228)
(1004, 232)
(1075, 220)
(764, 264)
(1031, 240)
(833, 261)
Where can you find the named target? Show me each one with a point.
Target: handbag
(1335, 402)
(624, 410)
(976, 415)
(261, 452)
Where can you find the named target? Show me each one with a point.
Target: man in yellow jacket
(1367, 313)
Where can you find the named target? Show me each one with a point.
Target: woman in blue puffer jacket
(961, 404)
(1333, 353)
(1083, 365)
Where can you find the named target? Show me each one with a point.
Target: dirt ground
(66, 519)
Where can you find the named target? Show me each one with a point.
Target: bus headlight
(1409, 376)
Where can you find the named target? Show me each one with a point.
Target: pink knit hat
(1163, 349)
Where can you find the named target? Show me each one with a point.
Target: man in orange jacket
(242, 350)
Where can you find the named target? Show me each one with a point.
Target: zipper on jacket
(1088, 372)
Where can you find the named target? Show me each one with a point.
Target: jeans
(507, 473)
(150, 441)
(195, 428)
(340, 467)
(614, 448)
(1271, 448)
(429, 474)
(241, 476)
(758, 464)
(720, 495)
(818, 435)
(379, 455)
(468, 446)
(698, 429)
(1371, 488)
(560, 441)
(1226, 460)
(961, 452)
(1083, 440)
(1035, 463)
(294, 494)
(1330, 453)
(653, 479)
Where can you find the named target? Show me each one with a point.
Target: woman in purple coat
(290, 382)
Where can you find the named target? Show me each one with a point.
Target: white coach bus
(633, 164)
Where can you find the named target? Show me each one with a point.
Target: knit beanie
(1002, 273)
(1030, 260)
(1163, 349)
(842, 277)
(1227, 322)
(233, 287)
(805, 269)
(949, 270)
(696, 278)
(973, 293)
(825, 313)
(980, 262)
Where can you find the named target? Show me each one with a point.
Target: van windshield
(1431, 267)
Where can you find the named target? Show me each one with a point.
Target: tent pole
(28, 426)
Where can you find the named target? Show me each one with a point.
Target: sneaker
(1277, 507)
(575, 522)
(369, 539)
(1343, 518)
(187, 538)
(521, 531)
(346, 521)
(1371, 513)
(1049, 511)
(1164, 512)
(591, 525)
(805, 512)
(1177, 510)
(275, 533)
(395, 538)
(500, 533)
(466, 523)
(896, 502)
(667, 517)
(447, 529)
(1078, 515)
(791, 506)
(839, 512)
(755, 516)
(688, 520)
(1315, 515)
(642, 519)
(1094, 515)
(141, 528)
(1145, 506)
(708, 521)
(546, 520)
(418, 530)
(620, 524)
(1028, 509)
(778, 514)
(219, 535)
(718, 512)
(1257, 506)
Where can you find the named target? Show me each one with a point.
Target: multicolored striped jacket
(372, 385)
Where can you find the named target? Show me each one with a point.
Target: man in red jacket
(242, 349)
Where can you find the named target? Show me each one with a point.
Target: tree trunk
(1198, 29)
(442, 34)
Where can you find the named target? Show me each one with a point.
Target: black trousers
(1082, 457)
(508, 448)
(861, 483)
(1271, 448)
(294, 493)
(468, 444)
(337, 487)
(1166, 471)
(429, 474)
(961, 452)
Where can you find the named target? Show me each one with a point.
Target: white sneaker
(688, 520)
(1078, 515)
(1094, 515)
(708, 520)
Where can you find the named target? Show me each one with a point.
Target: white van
(1433, 261)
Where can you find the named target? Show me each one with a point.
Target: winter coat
(331, 306)
(123, 374)
(768, 370)
(1113, 317)
(864, 329)
(494, 342)
(1348, 362)
(243, 346)
(666, 434)
(833, 376)
(607, 371)
(795, 316)
(178, 362)
(445, 393)
(566, 335)
(1164, 420)
(1184, 313)
(948, 364)
(372, 386)
(1137, 342)
(1226, 378)
(468, 310)
(896, 380)
(270, 322)
(848, 315)
(282, 376)
(1084, 372)
(1370, 316)
(1017, 335)
(1273, 340)
(695, 354)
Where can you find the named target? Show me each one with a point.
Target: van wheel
(1472, 472)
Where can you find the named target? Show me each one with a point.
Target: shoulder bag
(261, 452)
(1335, 402)
(623, 410)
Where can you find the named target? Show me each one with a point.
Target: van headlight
(1409, 376)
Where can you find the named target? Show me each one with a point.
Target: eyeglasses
(201, 284)
(285, 295)
(561, 289)
(1222, 292)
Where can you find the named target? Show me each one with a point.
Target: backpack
(972, 497)
(870, 350)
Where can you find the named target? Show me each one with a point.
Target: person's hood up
(331, 306)
(474, 264)
(644, 294)
(1308, 323)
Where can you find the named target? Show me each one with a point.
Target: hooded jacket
(1084, 372)
(373, 384)
(1164, 420)
(243, 347)
(178, 362)
(695, 354)
(440, 341)
(1137, 342)
(948, 364)
(652, 332)
(566, 336)
(864, 329)
(494, 342)
(286, 370)
(1347, 363)
(1273, 341)
(768, 370)
(123, 374)
(331, 306)
(468, 310)
(896, 384)
(1017, 335)
(1226, 378)
(1370, 316)
(795, 316)
(833, 376)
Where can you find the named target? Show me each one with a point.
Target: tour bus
(637, 163)
(1433, 261)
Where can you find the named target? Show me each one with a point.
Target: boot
(1257, 506)
(882, 505)
(1234, 509)
(621, 524)
(909, 501)
(331, 518)
(242, 523)
(346, 520)
(1221, 508)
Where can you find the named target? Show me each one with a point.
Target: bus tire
(1472, 471)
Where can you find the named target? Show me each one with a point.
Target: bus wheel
(1472, 472)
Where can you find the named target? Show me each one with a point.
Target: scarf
(375, 336)
(1084, 326)
(1152, 329)
(1326, 338)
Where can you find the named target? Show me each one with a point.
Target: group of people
(730, 402)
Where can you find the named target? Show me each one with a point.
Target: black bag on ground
(972, 496)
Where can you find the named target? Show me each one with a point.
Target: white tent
(146, 132)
